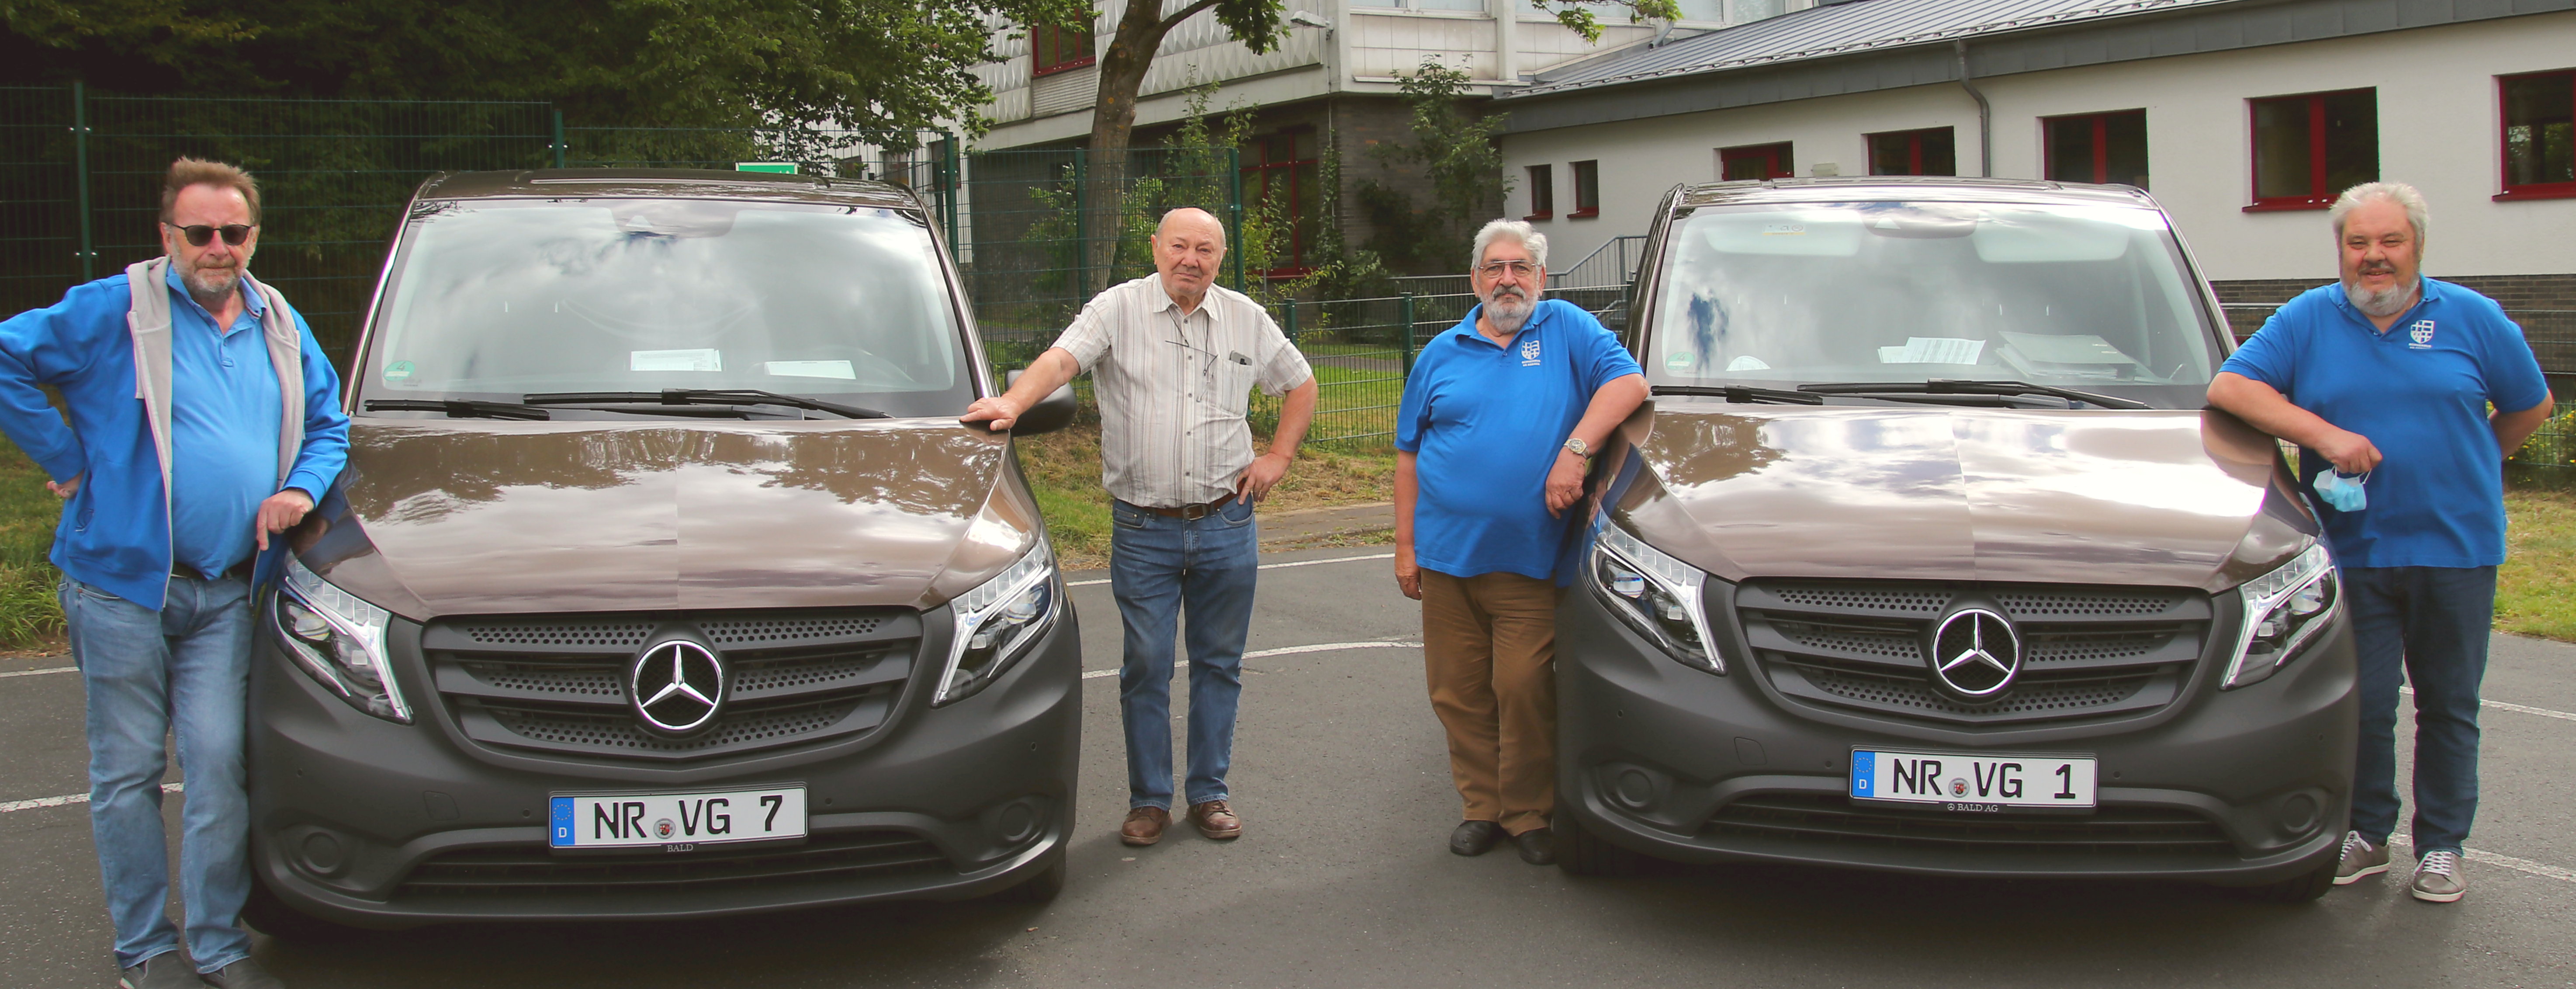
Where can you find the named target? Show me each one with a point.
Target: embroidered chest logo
(2422, 335)
(1529, 352)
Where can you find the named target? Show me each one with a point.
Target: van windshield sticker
(811, 369)
(1933, 350)
(706, 359)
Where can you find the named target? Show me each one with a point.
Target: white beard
(2383, 303)
(1509, 313)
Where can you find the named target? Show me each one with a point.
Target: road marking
(78, 798)
(1265, 566)
(1291, 651)
(2508, 861)
(2502, 706)
(29, 673)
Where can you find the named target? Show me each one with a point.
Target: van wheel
(2297, 889)
(1582, 853)
(1042, 886)
(267, 914)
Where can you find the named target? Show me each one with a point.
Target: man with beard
(204, 420)
(1492, 442)
(1174, 358)
(2385, 379)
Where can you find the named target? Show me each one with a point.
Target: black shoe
(167, 970)
(243, 974)
(1474, 837)
(1538, 846)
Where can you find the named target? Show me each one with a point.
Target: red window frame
(1913, 149)
(2504, 157)
(1587, 190)
(2101, 140)
(2319, 196)
(1052, 41)
(1542, 192)
(1777, 160)
(1271, 158)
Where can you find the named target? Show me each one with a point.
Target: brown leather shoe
(1216, 820)
(1144, 825)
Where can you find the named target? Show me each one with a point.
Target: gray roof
(1839, 29)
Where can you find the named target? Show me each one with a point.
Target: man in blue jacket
(2385, 379)
(204, 420)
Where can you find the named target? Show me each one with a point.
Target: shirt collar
(1466, 328)
(1165, 301)
(252, 303)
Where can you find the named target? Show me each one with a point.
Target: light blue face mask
(2343, 492)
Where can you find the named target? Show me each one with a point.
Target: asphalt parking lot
(1342, 878)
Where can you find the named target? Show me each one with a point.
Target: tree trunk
(1113, 121)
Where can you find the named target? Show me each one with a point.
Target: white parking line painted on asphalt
(78, 798)
(2507, 861)
(1291, 651)
(1265, 566)
(29, 673)
(2518, 708)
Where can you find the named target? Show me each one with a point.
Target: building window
(1755, 161)
(1058, 48)
(1932, 151)
(1587, 190)
(2098, 148)
(2308, 149)
(1279, 172)
(2539, 136)
(1542, 181)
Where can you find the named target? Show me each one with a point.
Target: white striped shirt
(1173, 389)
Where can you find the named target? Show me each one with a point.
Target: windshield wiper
(1950, 386)
(1741, 394)
(702, 396)
(459, 408)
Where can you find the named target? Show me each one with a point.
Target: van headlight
(339, 641)
(2284, 609)
(1655, 594)
(997, 623)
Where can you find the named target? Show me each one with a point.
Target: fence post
(1408, 334)
(80, 168)
(1081, 228)
(559, 141)
(1291, 303)
(954, 159)
(1234, 213)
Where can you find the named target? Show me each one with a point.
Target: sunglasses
(199, 235)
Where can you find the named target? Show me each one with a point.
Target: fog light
(2298, 815)
(320, 854)
(1016, 823)
(1634, 789)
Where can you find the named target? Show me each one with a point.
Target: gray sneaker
(167, 970)
(2437, 877)
(243, 974)
(2360, 859)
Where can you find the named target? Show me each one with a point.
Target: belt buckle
(1193, 513)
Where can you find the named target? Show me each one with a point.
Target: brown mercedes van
(1927, 557)
(663, 581)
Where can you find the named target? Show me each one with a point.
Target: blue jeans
(183, 669)
(1159, 566)
(2427, 626)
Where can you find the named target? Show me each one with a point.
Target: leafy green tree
(879, 66)
(1455, 149)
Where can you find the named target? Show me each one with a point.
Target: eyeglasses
(199, 234)
(1523, 269)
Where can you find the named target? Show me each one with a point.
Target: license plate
(676, 820)
(1989, 783)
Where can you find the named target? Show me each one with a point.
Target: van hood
(2173, 498)
(484, 517)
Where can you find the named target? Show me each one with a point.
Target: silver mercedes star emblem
(1976, 653)
(677, 686)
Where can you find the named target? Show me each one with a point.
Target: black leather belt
(241, 570)
(1188, 513)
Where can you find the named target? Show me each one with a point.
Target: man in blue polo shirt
(2385, 379)
(1497, 427)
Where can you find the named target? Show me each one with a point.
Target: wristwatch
(1580, 448)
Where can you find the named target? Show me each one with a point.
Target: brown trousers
(1489, 650)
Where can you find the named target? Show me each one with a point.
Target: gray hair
(1528, 237)
(2400, 193)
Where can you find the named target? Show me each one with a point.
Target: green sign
(780, 167)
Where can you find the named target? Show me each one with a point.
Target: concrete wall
(2438, 120)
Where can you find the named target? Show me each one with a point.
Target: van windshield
(497, 300)
(2087, 297)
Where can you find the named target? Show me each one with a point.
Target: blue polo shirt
(225, 413)
(1485, 424)
(2420, 393)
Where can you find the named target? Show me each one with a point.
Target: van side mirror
(1052, 413)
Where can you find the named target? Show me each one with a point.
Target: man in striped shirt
(1174, 358)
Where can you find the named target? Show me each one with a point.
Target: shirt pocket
(1234, 379)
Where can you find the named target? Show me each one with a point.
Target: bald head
(1188, 245)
